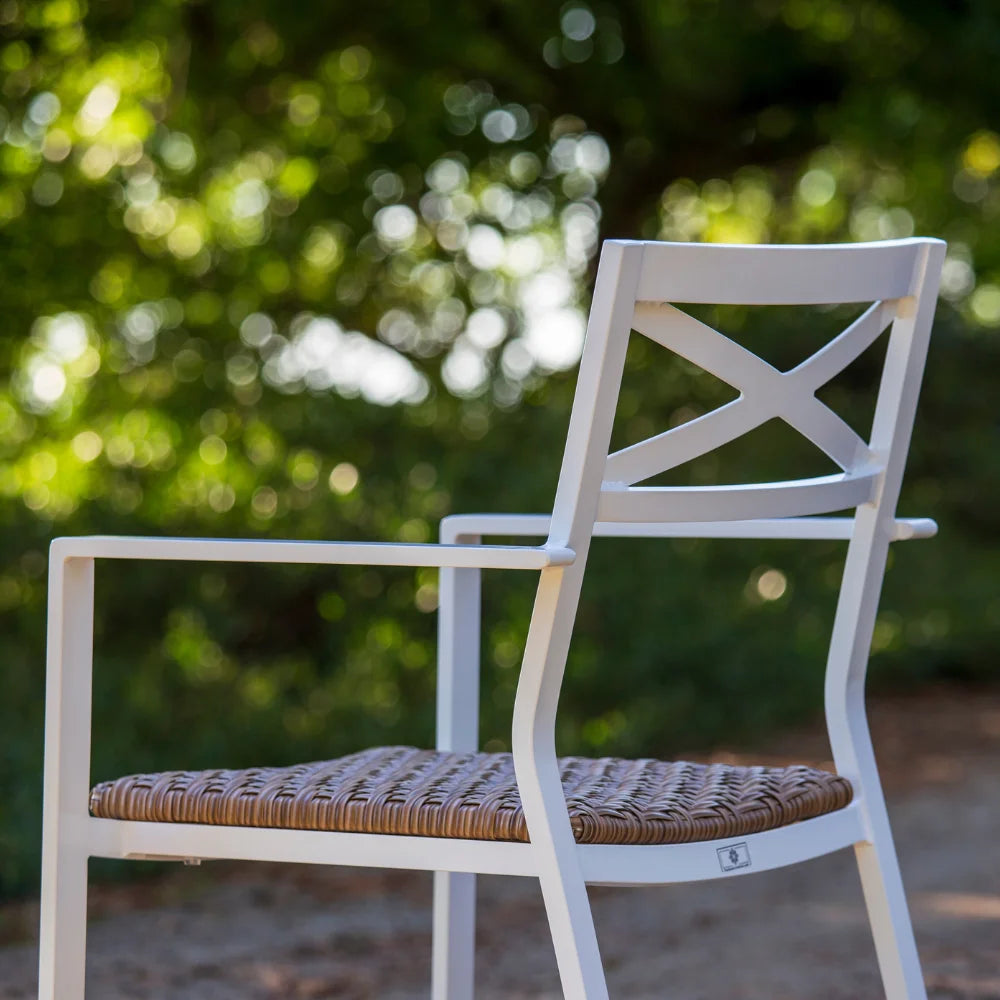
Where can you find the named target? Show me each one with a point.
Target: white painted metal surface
(107, 838)
(454, 931)
(596, 496)
(259, 550)
(756, 852)
(780, 275)
(797, 498)
(798, 528)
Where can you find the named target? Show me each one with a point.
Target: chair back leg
(885, 899)
(454, 948)
(553, 845)
(453, 963)
(564, 891)
(851, 743)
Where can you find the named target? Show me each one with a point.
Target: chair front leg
(63, 928)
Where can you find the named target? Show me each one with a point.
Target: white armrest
(832, 528)
(259, 550)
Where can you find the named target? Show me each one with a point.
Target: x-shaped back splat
(765, 393)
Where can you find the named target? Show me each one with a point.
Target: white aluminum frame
(596, 495)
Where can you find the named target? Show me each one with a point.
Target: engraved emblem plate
(734, 856)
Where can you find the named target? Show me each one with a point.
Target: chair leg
(63, 927)
(888, 914)
(63, 924)
(574, 938)
(454, 954)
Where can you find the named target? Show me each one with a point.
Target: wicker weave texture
(401, 790)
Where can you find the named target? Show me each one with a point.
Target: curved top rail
(821, 274)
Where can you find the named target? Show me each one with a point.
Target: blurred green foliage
(321, 271)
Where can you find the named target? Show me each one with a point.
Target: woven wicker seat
(400, 790)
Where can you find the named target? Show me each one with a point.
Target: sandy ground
(222, 932)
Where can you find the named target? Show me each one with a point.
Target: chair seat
(402, 790)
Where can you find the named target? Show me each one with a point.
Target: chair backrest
(637, 286)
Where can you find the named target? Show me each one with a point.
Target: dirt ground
(221, 932)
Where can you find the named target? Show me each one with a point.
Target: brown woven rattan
(400, 790)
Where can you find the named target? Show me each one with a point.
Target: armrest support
(461, 526)
(315, 553)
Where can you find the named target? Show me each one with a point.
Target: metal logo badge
(734, 856)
